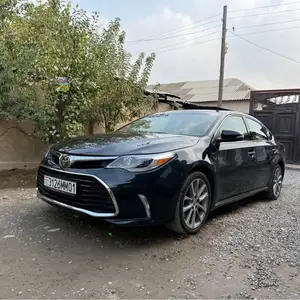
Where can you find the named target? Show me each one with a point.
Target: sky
(188, 47)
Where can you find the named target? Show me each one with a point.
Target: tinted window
(234, 123)
(182, 123)
(258, 131)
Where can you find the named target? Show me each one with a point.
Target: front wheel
(193, 205)
(276, 184)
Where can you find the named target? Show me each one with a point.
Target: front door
(265, 150)
(236, 161)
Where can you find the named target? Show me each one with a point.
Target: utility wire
(246, 34)
(184, 42)
(266, 6)
(178, 35)
(211, 17)
(178, 29)
(271, 30)
(264, 48)
(189, 26)
(262, 14)
(203, 42)
(196, 22)
(162, 50)
(267, 24)
(235, 28)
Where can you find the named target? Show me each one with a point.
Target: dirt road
(248, 250)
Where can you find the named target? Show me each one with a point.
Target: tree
(47, 40)
(14, 94)
(119, 85)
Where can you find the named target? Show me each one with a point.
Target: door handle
(251, 153)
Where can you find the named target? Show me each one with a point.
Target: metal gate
(279, 111)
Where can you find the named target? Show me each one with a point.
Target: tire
(200, 208)
(273, 193)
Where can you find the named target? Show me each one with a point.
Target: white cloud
(194, 60)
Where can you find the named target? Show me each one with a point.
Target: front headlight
(46, 153)
(141, 163)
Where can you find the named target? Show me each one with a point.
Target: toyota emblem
(64, 161)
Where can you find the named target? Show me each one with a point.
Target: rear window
(187, 123)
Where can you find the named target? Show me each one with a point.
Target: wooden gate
(279, 111)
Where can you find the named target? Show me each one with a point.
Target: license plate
(60, 185)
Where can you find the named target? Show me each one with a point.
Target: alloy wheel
(277, 182)
(195, 203)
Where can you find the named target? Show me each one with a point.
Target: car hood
(119, 143)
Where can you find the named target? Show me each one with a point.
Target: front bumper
(71, 207)
(118, 196)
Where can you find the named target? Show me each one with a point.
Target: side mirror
(231, 136)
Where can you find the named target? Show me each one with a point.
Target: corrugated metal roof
(285, 99)
(207, 91)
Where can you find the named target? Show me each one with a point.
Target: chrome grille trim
(85, 211)
(145, 202)
(104, 215)
(81, 158)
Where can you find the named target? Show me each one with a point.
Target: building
(236, 93)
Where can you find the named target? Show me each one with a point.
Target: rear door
(265, 150)
(236, 160)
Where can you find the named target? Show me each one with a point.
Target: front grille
(91, 164)
(91, 194)
(81, 163)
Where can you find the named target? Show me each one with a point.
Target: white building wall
(241, 106)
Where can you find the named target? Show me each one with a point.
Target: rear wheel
(276, 184)
(193, 205)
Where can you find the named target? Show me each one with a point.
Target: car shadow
(235, 206)
(94, 230)
(51, 229)
(131, 236)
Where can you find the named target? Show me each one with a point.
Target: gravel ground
(17, 178)
(247, 250)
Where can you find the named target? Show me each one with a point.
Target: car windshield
(185, 123)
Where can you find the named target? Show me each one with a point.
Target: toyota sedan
(168, 168)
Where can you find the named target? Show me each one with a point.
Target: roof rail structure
(163, 97)
(187, 105)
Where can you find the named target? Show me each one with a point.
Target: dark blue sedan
(168, 168)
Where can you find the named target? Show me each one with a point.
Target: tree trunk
(91, 127)
(109, 127)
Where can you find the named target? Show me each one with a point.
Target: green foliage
(50, 39)
(14, 95)
(119, 85)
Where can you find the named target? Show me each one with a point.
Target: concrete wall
(241, 106)
(18, 149)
